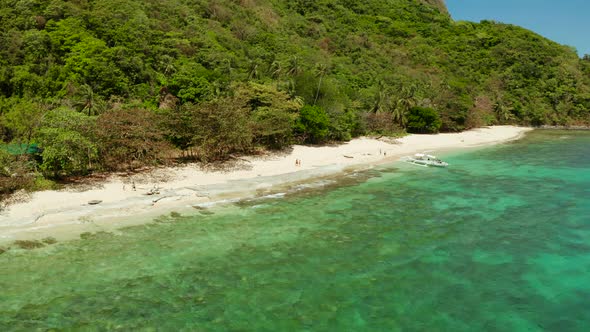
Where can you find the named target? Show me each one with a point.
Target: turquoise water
(499, 241)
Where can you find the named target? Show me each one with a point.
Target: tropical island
(99, 87)
(235, 165)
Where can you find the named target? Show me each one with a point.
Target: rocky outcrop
(439, 4)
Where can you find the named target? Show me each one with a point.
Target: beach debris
(94, 202)
(154, 191)
(39, 217)
(160, 198)
(346, 156)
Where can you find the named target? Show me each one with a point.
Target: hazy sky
(564, 21)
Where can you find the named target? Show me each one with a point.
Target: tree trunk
(317, 94)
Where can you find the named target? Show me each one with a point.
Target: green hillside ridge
(117, 84)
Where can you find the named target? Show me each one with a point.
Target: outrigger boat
(423, 159)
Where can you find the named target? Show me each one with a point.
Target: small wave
(214, 203)
(316, 184)
(277, 195)
(265, 197)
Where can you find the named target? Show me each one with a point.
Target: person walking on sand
(133, 185)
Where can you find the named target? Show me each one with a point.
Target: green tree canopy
(67, 142)
(313, 124)
(423, 120)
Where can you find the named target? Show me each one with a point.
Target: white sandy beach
(56, 213)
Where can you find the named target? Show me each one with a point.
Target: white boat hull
(426, 160)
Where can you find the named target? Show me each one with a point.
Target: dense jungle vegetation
(89, 85)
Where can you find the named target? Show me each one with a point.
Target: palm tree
(293, 69)
(381, 98)
(253, 70)
(228, 69)
(321, 71)
(400, 111)
(91, 103)
(503, 111)
(299, 101)
(166, 63)
(405, 100)
(276, 69)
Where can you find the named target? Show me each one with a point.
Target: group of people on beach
(297, 162)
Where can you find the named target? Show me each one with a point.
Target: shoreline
(65, 214)
(548, 127)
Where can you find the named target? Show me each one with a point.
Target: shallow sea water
(499, 241)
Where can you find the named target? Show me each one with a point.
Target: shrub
(66, 139)
(190, 83)
(130, 138)
(223, 129)
(423, 120)
(380, 123)
(15, 173)
(272, 128)
(313, 125)
(42, 183)
(272, 113)
(5, 163)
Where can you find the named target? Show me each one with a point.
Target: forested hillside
(111, 84)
